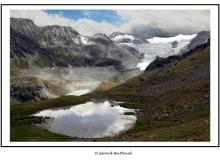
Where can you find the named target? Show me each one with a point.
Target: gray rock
(63, 46)
(201, 38)
(174, 44)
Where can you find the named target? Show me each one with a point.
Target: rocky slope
(63, 46)
(58, 46)
(173, 102)
(201, 38)
(174, 99)
(36, 84)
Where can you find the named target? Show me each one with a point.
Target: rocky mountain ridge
(63, 46)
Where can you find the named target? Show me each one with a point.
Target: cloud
(182, 21)
(84, 26)
(167, 21)
(42, 18)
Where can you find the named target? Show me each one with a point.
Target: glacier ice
(162, 47)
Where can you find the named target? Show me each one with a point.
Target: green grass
(117, 80)
(22, 126)
(196, 130)
(107, 85)
(179, 112)
(25, 109)
(31, 133)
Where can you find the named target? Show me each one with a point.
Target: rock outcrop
(26, 93)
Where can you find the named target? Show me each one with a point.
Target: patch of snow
(142, 65)
(126, 44)
(75, 40)
(177, 38)
(84, 40)
(121, 37)
(81, 39)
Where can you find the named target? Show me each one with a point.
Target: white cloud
(84, 26)
(41, 18)
(182, 21)
(168, 20)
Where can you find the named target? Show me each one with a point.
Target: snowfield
(158, 46)
(162, 47)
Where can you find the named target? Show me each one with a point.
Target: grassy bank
(174, 103)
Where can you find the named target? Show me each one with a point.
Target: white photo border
(5, 68)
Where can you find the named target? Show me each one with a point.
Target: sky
(90, 22)
(109, 16)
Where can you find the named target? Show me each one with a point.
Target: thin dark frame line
(116, 146)
(114, 5)
(1, 75)
(218, 76)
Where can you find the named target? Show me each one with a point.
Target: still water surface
(88, 120)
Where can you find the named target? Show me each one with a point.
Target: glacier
(162, 47)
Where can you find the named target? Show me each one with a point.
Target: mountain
(63, 46)
(54, 47)
(163, 47)
(172, 103)
(160, 46)
(26, 27)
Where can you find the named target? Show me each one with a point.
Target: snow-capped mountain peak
(126, 39)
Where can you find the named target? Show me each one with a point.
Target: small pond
(89, 120)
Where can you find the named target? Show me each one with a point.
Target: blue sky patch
(109, 16)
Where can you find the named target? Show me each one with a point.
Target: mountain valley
(166, 80)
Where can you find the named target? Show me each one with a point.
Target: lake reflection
(88, 120)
